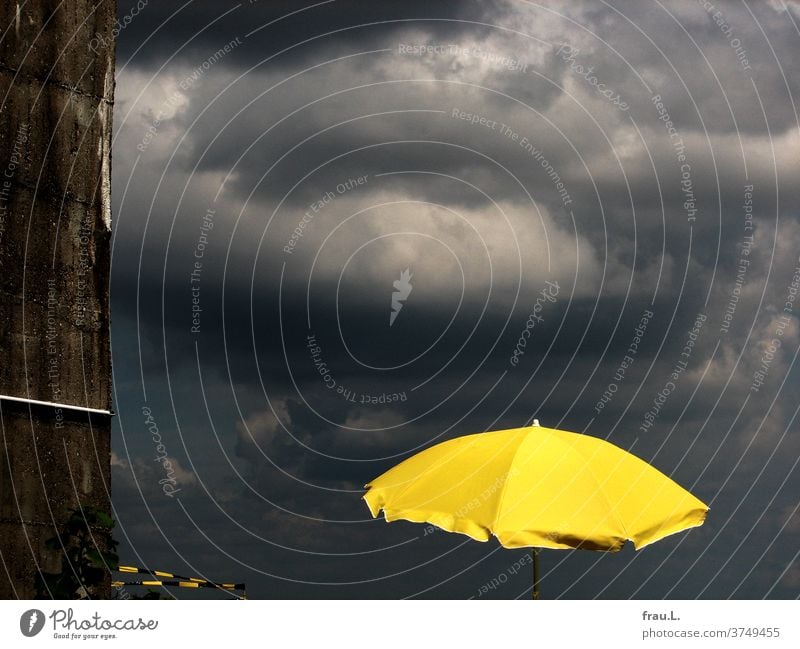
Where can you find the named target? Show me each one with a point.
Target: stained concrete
(56, 96)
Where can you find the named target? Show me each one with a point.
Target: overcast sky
(277, 166)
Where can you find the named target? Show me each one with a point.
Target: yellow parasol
(536, 487)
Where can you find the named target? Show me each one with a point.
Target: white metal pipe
(51, 404)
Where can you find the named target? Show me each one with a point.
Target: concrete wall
(56, 93)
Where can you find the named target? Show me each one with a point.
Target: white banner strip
(389, 624)
(51, 404)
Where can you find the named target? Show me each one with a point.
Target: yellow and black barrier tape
(177, 582)
(172, 579)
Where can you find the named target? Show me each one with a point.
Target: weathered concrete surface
(56, 93)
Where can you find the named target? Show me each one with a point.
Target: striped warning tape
(177, 582)
(172, 580)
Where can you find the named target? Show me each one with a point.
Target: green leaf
(95, 558)
(104, 519)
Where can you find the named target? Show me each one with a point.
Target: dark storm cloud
(198, 27)
(714, 53)
(332, 154)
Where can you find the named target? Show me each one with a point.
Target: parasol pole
(535, 554)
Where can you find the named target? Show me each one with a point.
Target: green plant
(88, 554)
